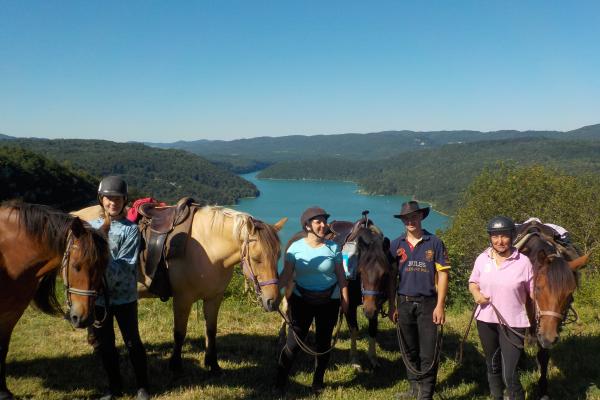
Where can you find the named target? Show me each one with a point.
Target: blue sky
(166, 71)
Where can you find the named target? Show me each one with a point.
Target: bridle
(65, 267)
(249, 271)
(365, 224)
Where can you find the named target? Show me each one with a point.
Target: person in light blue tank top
(315, 265)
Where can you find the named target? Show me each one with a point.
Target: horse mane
(560, 277)
(50, 226)
(245, 225)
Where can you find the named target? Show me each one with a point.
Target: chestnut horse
(35, 242)
(220, 238)
(555, 279)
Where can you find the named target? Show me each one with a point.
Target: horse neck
(217, 241)
(38, 259)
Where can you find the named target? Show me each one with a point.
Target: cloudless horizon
(189, 70)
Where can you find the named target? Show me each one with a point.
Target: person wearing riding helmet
(121, 282)
(502, 277)
(419, 284)
(320, 289)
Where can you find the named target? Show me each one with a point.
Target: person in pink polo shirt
(502, 278)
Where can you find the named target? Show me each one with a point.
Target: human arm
(439, 316)
(477, 295)
(286, 278)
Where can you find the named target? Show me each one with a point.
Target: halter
(248, 270)
(64, 267)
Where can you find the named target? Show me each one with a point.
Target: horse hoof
(215, 370)
(374, 364)
(545, 397)
(356, 365)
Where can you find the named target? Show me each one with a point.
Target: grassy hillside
(63, 367)
(164, 174)
(33, 178)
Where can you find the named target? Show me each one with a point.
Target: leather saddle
(344, 231)
(165, 231)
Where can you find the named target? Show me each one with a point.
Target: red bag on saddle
(133, 214)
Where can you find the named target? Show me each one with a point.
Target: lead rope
(303, 345)
(436, 353)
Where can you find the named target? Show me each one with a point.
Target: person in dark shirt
(420, 282)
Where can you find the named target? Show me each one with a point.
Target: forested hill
(5, 136)
(440, 175)
(164, 174)
(236, 154)
(33, 178)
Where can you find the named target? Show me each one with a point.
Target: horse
(35, 243)
(364, 249)
(219, 239)
(555, 280)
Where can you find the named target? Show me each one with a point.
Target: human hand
(439, 315)
(481, 299)
(393, 314)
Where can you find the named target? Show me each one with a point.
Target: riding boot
(317, 383)
(496, 386)
(426, 388)
(283, 369)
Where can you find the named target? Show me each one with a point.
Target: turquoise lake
(289, 198)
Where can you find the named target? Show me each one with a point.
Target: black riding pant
(127, 318)
(419, 334)
(355, 300)
(502, 358)
(301, 315)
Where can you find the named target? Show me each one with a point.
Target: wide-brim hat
(311, 213)
(410, 207)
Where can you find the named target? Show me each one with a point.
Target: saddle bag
(316, 297)
(350, 260)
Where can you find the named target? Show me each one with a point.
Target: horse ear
(579, 262)
(77, 227)
(279, 224)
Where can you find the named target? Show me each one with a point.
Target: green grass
(49, 360)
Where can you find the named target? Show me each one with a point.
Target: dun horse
(555, 280)
(220, 238)
(35, 242)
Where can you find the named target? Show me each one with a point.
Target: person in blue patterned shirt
(121, 282)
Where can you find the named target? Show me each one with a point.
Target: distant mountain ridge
(354, 146)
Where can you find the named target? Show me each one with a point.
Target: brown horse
(35, 242)
(555, 281)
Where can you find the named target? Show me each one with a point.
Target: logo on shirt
(429, 255)
(402, 254)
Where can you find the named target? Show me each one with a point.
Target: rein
(65, 272)
(306, 348)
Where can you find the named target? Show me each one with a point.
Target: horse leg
(353, 327)
(181, 314)
(5, 394)
(543, 356)
(211, 311)
(372, 342)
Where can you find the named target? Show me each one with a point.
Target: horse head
(84, 261)
(555, 280)
(260, 252)
(372, 265)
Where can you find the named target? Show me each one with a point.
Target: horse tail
(45, 296)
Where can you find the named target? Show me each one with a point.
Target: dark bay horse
(365, 252)
(35, 243)
(555, 279)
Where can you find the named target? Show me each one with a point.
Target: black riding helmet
(311, 213)
(112, 186)
(500, 224)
